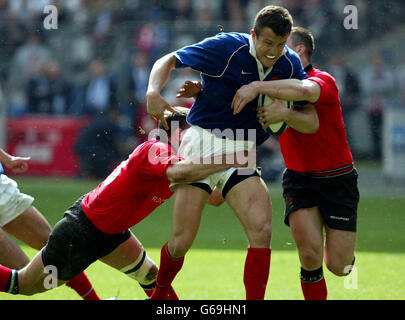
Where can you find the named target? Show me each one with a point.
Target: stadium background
(50, 82)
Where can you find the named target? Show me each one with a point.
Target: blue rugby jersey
(1, 168)
(228, 61)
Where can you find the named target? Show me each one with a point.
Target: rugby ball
(279, 127)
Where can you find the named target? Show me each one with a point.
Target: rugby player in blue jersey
(226, 62)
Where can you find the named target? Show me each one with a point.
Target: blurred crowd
(97, 62)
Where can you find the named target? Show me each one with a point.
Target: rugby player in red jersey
(320, 182)
(18, 217)
(96, 226)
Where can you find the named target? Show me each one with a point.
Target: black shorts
(336, 197)
(233, 180)
(75, 243)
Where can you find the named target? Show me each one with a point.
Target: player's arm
(16, 164)
(159, 76)
(304, 120)
(189, 171)
(289, 89)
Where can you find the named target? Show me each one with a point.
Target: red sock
(82, 285)
(5, 274)
(314, 290)
(256, 274)
(168, 270)
(173, 295)
(148, 292)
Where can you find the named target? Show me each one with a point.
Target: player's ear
(252, 32)
(301, 49)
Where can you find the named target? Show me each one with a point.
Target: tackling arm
(289, 89)
(304, 120)
(189, 171)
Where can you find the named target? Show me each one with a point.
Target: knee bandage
(140, 270)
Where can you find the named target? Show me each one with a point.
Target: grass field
(213, 268)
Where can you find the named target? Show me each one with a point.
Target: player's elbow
(309, 91)
(313, 126)
(312, 120)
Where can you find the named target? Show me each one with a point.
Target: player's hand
(156, 106)
(17, 164)
(272, 113)
(243, 96)
(190, 89)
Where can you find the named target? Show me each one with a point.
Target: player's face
(269, 47)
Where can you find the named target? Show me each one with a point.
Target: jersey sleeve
(156, 160)
(298, 70)
(209, 56)
(329, 89)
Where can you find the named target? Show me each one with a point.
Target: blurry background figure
(100, 95)
(378, 86)
(349, 92)
(98, 146)
(48, 92)
(270, 160)
(400, 81)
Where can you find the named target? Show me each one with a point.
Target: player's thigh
(339, 250)
(250, 200)
(11, 254)
(30, 227)
(125, 254)
(306, 226)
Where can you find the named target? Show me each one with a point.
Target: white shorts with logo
(12, 201)
(198, 143)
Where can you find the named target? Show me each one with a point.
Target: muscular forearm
(188, 172)
(160, 74)
(290, 89)
(304, 121)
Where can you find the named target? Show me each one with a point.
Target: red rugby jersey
(327, 151)
(133, 190)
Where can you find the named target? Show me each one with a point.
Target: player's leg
(131, 258)
(340, 214)
(189, 201)
(339, 251)
(30, 280)
(306, 226)
(30, 227)
(250, 200)
(11, 255)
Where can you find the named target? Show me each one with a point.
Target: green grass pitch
(213, 268)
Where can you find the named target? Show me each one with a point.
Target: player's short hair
(275, 17)
(178, 119)
(300, 35)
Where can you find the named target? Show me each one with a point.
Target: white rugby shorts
(198, 143)
(12, 201)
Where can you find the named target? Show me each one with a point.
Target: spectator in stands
(349, 92)
(97, 146)
(28, 58)
(377, 87)
(100, 92)
(48, 92)
(400, 81)
(135, 83)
